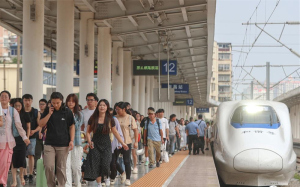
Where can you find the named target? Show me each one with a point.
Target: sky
(230, 14)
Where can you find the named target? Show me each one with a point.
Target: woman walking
(102, 125)
(11, 120)
(74, 157)
(127, 123)
(19, 151)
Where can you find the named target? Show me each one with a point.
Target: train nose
(258, 161)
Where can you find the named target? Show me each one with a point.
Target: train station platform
(182, 170)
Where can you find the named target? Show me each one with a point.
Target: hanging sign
(172, 67)
(179, 88)
(183, 102)
(202, 110)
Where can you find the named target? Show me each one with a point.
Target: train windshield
(255, 117)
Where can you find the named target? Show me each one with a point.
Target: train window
(255, 117)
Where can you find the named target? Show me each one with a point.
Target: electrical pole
(4, 79)
(251, 90)
(268, 81)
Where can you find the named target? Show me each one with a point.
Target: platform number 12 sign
(189, 102)
(172, 67)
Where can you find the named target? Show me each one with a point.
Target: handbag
(165, 156)
(140, 152)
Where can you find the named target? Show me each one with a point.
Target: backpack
(13, 126)
(157, 121)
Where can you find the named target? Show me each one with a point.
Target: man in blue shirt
(202, 125)
(192, 130)
(154, 135)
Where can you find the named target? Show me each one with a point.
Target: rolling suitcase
(41, 180)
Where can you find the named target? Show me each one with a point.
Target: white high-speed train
(253, 143)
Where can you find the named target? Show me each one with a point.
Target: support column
(189, 112)
(65, 47)
(33, 51)
(127, 77)
(86, 55)
(184, 113)
(147, 95)
(135, 93)
(142, 84)
(151, 92)
(193, 111)
(117, 72)
(104, 64)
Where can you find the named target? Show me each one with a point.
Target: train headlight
(253, 109)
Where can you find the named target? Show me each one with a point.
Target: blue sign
(179, 88)
(172, 67)
(202, 110)
(189, 102)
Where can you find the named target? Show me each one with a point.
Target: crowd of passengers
(96, 143)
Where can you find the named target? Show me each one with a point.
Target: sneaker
(34, 172)
(123, 178)
(160, 162)
(30, 179)
(151, 166)
(26, 178)
(170, 155)
(135, 171)
(102, 184)
(131, 168)
(146, 163)
(157, 164)
(112, 181)
(206, 149)
(127, 182)
(107, 182)
(99, 185)
(176, 150)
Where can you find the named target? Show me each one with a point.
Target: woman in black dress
(102, 125)
(19, 154)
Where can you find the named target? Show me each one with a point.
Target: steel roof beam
(177, 40)
(151, 12)
(89, 4)
(158, 28)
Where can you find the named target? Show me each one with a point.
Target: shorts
(31, 147)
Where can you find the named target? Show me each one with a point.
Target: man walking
(92, 101)
(202, 125)
(34, 118)
(154, 134)
(192, 131)
(173, 128)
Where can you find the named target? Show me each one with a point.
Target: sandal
(13, 185)
(23, 182)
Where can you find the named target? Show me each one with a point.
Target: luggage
(41, 180)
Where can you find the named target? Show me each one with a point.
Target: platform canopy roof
(186, 26)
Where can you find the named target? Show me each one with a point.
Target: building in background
(221, 79)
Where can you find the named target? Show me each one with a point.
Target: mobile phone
(51, 105)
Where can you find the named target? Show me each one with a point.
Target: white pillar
(86, 71)
(184, 112)
(151, 91)
(127, 77)
(147, 94)
(33, 51)
(193, 111)
(65, 47)
(135, 93)
(189, 112)
(117, 72)
(142, 83)
(104, 64)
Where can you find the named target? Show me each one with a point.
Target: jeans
(202, 143)
(126, 159)
(171, 144)
(178, 142)
(114, 165)
(192, 138)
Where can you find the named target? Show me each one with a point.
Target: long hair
(93, 121)
(76, 107)
(20, 101)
